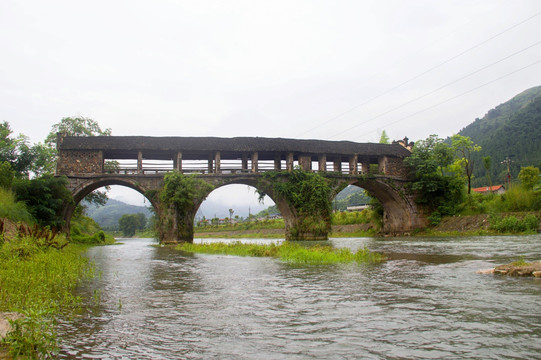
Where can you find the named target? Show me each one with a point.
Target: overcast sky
(336, 70)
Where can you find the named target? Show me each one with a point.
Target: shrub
(512, 224)
(12, 209)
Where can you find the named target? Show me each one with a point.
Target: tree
(430, 156)
(77, 126)
(15, 151)
(130, 223)
(529, 177)
(487, 164)
(384, 139)
(44, 159)
(6, 175)
(464, 148)
(45, 197)
(428, 160)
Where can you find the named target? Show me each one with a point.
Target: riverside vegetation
(288, 252)
(39, 267)
(39, 270)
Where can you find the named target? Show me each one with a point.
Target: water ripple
(425, 302)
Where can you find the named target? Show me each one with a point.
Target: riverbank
(460, 225)
(351, 230)
(39, 271)
(485, 224)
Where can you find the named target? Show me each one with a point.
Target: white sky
(328, 69)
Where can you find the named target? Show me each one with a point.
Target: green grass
(521, 262)
(288, 252)
(355, 217)
(250, 235)
(38, 282)
(13, 210)
(251, 225)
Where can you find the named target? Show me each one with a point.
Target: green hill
(107, 216)
(512, 129)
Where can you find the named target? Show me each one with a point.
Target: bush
(517, 199)
(512, 224)
(14, 210)
(45, 197)
(355, 217)
(435, 218)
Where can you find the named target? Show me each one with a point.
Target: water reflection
(424, 302)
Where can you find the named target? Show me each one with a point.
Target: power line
(456, 96)
(436, 90)
(420, 75)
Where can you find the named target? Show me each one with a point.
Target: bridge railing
(226, 166)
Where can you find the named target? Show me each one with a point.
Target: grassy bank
(39, 271)
(288, 252)
(38, 281)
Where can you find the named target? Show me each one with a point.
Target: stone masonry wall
(394, 167)
(79, 162)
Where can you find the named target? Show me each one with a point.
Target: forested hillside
(350, 196)
(512, 129)
(107, 216)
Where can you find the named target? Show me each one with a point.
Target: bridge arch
(82, 188)
(257, 182)
(400, 212)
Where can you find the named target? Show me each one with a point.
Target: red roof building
(496, 189)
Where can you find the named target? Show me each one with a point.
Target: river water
(424, 302)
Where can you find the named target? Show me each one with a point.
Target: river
(424, 302)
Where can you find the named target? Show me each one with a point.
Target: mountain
(350, 196)
(107, 216)
(511, 129)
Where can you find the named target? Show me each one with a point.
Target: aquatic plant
(288, 252)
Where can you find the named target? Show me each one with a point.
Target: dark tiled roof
(236, 144)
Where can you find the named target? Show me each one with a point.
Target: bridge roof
(127, 146)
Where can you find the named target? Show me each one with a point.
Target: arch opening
(124, 198)
(354, 206)
(399, 213)
(235, 203)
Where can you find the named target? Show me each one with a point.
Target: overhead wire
(421, 74)
(435, 90)
(455, 97)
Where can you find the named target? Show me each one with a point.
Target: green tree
(441, 193)
(44, 159)
(15, 151)
(464, 149)
(130, 223)
(45, 198)
(384, 138)
(6, 175)
(487, 164)
(76, 126)
(529, 177)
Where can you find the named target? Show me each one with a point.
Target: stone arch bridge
(140, 163)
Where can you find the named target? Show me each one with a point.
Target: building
(496, 189)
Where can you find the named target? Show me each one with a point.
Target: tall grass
(355, 217)
(12, 209)
(248, 225)
(38, 282)
(513, 200)
(288, 252)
